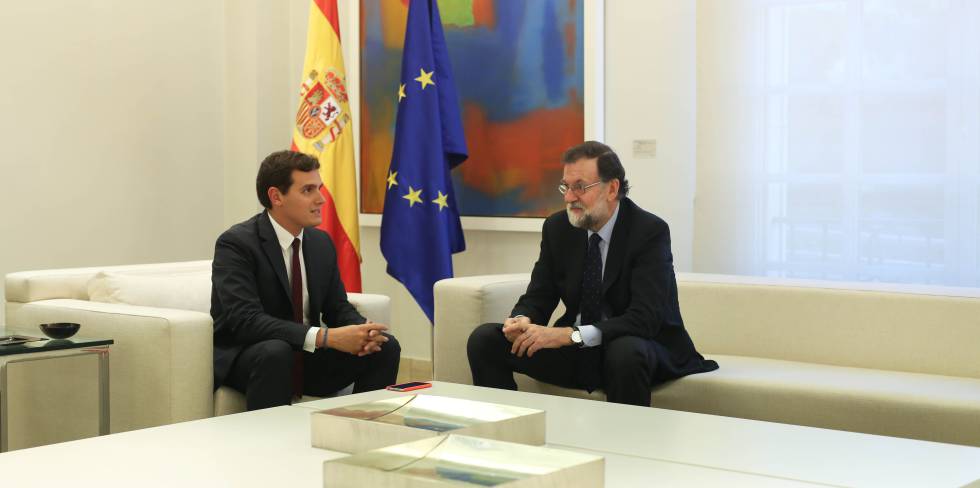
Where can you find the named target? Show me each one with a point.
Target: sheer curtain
(839, 139)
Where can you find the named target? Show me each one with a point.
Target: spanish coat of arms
(323, 112)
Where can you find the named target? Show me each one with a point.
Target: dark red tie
(297, 292)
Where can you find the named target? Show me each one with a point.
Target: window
(864, 137)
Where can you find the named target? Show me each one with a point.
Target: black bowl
(60, 330)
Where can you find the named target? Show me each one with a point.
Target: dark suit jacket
(639, 289)
(251, 298)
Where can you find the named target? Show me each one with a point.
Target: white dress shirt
(286, 244)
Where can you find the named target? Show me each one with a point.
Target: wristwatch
(577, 337)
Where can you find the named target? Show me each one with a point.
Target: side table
(47, 350)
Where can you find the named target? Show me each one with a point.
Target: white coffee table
(642, 446)
(777, 451)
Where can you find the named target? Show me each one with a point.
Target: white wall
(732, 126)
(650, 94)
(261, 87)
(111, 128)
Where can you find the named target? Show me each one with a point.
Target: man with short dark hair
(282, 324)
(610, 263)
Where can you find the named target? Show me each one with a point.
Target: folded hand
(536, 337)
(359, 339)
(514, 327)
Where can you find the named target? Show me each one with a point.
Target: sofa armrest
(373, 307)
(160, 365)
(461, 305)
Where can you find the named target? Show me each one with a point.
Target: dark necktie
(297, 296)
(591, 308)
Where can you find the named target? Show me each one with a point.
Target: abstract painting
(519, 74)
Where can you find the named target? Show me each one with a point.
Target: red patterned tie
(297, 295)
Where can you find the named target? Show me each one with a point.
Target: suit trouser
(627, 365)
(263, 371)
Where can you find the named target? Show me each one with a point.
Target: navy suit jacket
(638, 285)
(250, 295)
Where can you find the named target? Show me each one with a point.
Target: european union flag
(420, 227)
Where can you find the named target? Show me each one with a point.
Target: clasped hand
(528, 338)
(359, 339)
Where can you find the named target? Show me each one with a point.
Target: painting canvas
(519, 74)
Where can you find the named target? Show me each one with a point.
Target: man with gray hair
(610, 263)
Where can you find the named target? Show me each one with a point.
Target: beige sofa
(158, 316)
(892, 360)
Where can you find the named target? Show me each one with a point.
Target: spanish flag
(324, 130)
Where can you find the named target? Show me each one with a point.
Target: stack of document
(456, 460)
(365, 426)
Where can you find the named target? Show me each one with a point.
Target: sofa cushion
(31, 286)
(919, 406)
(915, 329)
(185, 291)
(527, 383)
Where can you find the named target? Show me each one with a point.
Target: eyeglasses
(577, 189)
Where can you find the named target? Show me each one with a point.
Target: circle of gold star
(401, 92)
(441, 201)
(413, 196)
(425, 78)
(391, 179)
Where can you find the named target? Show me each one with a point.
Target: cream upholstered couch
(893, 360)
(158, 315)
